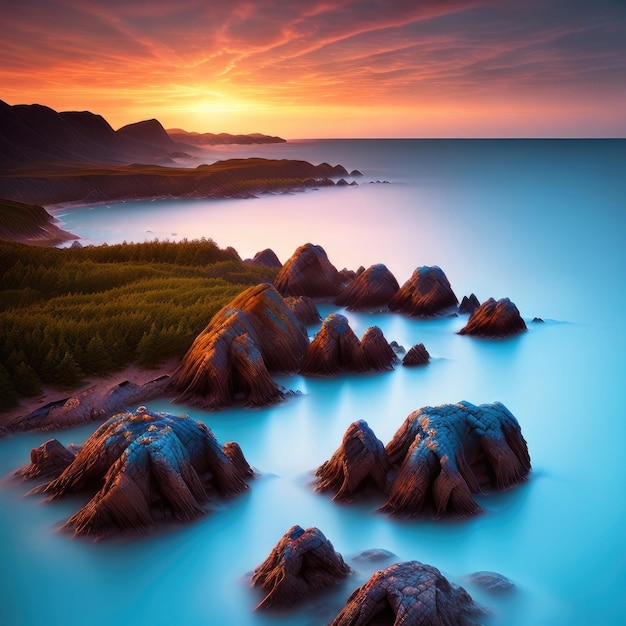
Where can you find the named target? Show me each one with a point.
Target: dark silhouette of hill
(213, 139)
(152, 133)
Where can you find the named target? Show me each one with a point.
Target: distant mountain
(150, 132)
(211, 139)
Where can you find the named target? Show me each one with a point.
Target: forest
(68, 313)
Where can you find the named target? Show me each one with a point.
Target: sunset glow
(344, 68)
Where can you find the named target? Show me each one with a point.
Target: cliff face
(29, 223)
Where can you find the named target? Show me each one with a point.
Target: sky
(323, 68)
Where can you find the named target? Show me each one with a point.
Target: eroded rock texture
(408, 594)
(494, 319)
(304, 309)
(469, 304)
(308, 272)
(435, 462)
(445, 454)
(336, 349)
(301, 563)
(232, 357)
(47, 461)
(144, 466)
(417, 355)
(427, 293)
(265, 258)
(370, 290)
(359, 463)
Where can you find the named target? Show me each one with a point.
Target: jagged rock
(144, 466)
(266, 258)
(304, 309)
(397, 348)
(378, 355)
(308, 272)
(347, 276)
(371, 290)
(47, 461)
(357, 465)
(445, 454)
(492, 582)
(334, 349)
(417, 355)
(494, 319)
(408, 594)
(255, 334)
(469, 304)
(302, 563)
(427, 293)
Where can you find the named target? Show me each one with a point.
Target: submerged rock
(308, 272)
(437, 459)
(232, 357)
(358, 464)
(469, 304)
(494, 319)
(445, 454)
(417, 355)
(302, 563)
(144, 466)
(408, 594)
(426, 294)
(337, 349)
(492, 582)
(370, 290)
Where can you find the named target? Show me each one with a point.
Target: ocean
(542, 222)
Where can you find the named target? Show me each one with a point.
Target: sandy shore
(90, 390)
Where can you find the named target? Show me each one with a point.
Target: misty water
(541, 222)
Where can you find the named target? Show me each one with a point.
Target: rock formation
(494, 319)
(469, 304)
(302, 563)
(371, 290)
(358, 464)
(266, 258)
(492, 582)
(437, 459)
(336, 349)
(308, 272)
(304, 309)
(145, 466)
(47, 461)
(255, 334)
(417, 355)
(378, 355)
(445, 454)
(427, 293)
(408, 594)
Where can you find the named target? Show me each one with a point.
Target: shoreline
(90, 390)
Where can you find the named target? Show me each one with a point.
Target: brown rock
(417, 355)
(494, 319)
(427, 293)
(266, 258)
(304, 309)
(371, 290)
(469, 304)
(378, 355)
(302, 563)
(47, 461)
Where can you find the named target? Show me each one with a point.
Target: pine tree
(8, 395)
(67, 373)
(26, 381)
(97, 359)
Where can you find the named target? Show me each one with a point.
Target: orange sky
(322, 68)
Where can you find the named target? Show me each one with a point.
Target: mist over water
(541, 222)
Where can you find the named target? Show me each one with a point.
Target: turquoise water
(542, 222)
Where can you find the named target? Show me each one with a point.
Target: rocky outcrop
(146, 466)
(445, 454)
(426, 294)
(492, 582)
(371, 290)
(265, 258)
(337, 349)
(302, 563)
(437, 459)
(304, 309)
(47, 461)
(257, 333)
(494, 319)
(359, 464)
(417, 355)
(378, 355)
(408, 594)
(308, 272)
(469, 304)
(334, 349)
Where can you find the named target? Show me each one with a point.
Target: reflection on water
(541, 223)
